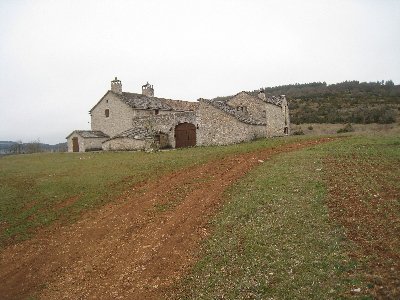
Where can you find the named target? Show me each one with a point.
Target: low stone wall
(92, 144)
(126, 144)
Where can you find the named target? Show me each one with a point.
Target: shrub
(347, 128)
(298, 132)
(310, 127)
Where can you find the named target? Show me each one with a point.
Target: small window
(107, 113)
(156, 112)
(107, 101)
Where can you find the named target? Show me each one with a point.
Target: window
(107, 101)
(156, 112)
(107, 113)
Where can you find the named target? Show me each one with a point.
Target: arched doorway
(185, 135)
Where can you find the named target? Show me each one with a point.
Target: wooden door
(185, 135)
(75, 144)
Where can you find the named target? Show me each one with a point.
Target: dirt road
(135, 248)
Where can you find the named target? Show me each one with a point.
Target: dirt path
(135, 248)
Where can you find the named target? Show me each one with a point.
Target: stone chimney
(116, 86)
(261, 94)
(148, 90)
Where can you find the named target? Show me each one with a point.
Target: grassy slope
(38, 189)
(274, 238)
(364, 196)
(321, 129)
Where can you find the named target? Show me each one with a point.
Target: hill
(345, 102)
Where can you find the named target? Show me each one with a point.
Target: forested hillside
(346, 102)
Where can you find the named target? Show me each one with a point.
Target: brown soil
(66, 203)
(135, 248)
(364, 200)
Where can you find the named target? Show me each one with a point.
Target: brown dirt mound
(135, 248)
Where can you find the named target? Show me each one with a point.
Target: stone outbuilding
(131, 121)
(86, 140)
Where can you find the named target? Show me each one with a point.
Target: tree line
(35, 146)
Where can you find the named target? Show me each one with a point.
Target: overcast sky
(57, 58)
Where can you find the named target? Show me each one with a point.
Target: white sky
(57, 58)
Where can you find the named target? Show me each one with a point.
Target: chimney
(261, 94)
(148, 90)
(116, 86)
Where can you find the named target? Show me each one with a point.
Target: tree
(33, 147)
(389, 83)
(17, 147)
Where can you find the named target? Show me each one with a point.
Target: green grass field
(288, 230)
(276, 238)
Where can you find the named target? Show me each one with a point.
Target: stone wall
(277, 119)
(126, 144)
(216, 127)
(93, 143)
(254, 106)
(285, 111)
(138, 113)
(165, 123)
(119, 119)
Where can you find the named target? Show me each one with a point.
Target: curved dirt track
(135, 248)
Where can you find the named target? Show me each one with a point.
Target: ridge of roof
(140, 101)
(276, 100)
(270, 99)
(89, 134)
(145, 102)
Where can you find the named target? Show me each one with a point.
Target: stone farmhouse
(131, 121)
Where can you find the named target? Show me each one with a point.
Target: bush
(347, 128)
(298, 132)
(387, 116)
(310, 127)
